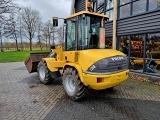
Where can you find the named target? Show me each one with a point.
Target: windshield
(88, 32)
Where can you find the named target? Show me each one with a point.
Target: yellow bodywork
(109, 80)
(82, 60)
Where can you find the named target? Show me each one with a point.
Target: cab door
(70, 43)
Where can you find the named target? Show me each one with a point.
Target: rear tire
(44, 73)
(72, 84)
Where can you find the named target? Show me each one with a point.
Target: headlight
(100, 65)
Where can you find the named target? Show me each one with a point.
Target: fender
(49, 64)
(79, 70)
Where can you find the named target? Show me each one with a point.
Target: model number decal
(92, 67)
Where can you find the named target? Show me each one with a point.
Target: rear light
(126, 73)
(99, 80)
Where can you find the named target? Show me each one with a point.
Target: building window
(134, 7)
(154, 4)
(153, 44)
(137, 46)
(110, 14)
(147, 61)
(100, 2)
(108, 43)
(153, 53)
(109, 9)
(139, 7)
(124, 44)
(109, 4)
(125, 11)
(122, 2)
(100, 6)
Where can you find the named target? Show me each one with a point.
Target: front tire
(44, 73)
(72, 84)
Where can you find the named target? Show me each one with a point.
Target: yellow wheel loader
(84, 62)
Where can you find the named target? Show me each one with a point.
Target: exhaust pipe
(102, 35)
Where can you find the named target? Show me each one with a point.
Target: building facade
(134, 28)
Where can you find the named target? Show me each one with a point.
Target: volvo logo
(117, 58)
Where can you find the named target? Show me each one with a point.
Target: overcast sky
(48, 8)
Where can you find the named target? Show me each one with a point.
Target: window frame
(123, 6)
(66, 37)
(108, 10)
(131, 8)
(103, 9)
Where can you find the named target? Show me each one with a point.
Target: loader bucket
(33, 59)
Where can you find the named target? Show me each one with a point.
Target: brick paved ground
(23, 97)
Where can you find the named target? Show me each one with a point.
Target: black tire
(72, 84)
(44, 73)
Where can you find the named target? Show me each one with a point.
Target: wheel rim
(42, 72)
(70, 84)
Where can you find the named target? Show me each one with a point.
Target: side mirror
(55, 21)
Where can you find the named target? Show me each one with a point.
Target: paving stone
(22, 94)
(24, 97)
(132, 100)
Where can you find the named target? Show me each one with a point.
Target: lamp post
(55, 24)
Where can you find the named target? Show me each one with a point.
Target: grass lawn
(15, 56)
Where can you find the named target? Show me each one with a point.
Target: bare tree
(21, 31)
(1, 35)
(39, 35)
(53, 35)
(60, 34)
(1, 41)
(11, 29)
(6, 6)
(30, 20)
(45, 38)
(48, 30)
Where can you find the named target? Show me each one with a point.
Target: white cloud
(48, 8)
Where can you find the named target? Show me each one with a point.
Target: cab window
(70, 38)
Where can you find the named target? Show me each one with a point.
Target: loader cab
(83, 31)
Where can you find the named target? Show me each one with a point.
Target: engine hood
(89, 57)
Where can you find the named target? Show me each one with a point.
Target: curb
(144, 78)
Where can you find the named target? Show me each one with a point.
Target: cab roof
(87, 12)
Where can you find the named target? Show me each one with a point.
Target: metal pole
(144, 52)
(129, 51)
(105, 2)
(53, 36)
(86, 5)
(115, 24)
